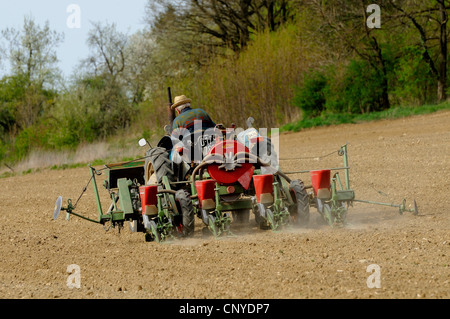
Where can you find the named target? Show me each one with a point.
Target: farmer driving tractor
(186, 116)
(191, 124)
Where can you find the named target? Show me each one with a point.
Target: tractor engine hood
(231, 170)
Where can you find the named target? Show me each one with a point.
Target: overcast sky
(127, 14)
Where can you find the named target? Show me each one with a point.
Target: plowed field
(390, 160)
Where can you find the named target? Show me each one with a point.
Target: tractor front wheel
(158, 163)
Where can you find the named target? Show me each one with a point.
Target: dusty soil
(390, 160)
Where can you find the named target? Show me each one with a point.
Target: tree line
(275, 60)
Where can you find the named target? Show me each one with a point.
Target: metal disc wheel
(57, 208)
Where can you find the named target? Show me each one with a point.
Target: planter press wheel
(269, 217)
(324, 209)
(212, 224)
(155, 232)
(261, 217)
(152, 233)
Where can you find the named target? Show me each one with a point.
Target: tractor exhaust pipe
(171, 113)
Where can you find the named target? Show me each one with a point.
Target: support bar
(97, 196)
(402, 207)
(82, 217)
(311, 170)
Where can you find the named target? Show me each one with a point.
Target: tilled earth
(390, 160)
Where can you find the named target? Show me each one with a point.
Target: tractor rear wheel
(300, 210)
(186, 210)
(158, 163)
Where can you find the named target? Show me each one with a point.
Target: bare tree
(228, 23)
(108, 51)
(140, 58)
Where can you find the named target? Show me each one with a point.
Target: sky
(62, 17)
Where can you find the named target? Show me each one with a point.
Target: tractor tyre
(186, 210)
(157, 162)
(263, 149)
(300, 210)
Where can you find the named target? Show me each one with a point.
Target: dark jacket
(187, 118)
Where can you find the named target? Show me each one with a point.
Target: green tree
(427, 20)
(345, 22)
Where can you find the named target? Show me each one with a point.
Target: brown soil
(390, 160)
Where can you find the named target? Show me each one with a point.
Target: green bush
(3, 150)
(327, 119)
(23, 142)
(412, 81)
(355, 88)
(91, 110)
(37, 136)
(358, 92)
(310, 98)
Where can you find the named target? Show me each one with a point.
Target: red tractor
(235, 174)
(229, 176)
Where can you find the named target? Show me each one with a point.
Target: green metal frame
(221, 223)
(342, 196)
(280, 215)
(167, 208)
(116, 215)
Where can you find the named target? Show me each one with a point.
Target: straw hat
(180, 100)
